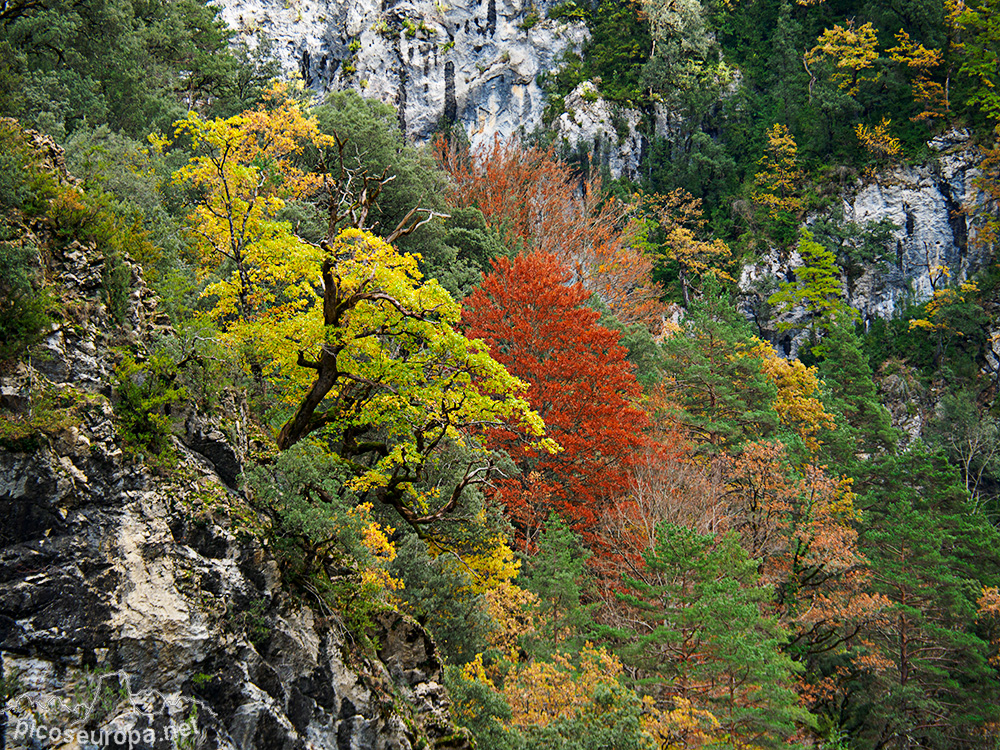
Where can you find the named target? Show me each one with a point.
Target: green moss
(569, 11)
(531, 18)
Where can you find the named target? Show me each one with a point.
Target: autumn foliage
(537, 203)
(536, 324)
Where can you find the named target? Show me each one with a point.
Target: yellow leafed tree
(679, 219)
(361, 351)
(877, 140)
(245, 167)
(797, 402)
(928, 93)
(852, 51)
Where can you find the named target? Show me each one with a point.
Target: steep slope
(131, 602)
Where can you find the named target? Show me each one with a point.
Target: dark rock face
(127, 604)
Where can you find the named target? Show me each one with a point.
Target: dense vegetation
(624, 527)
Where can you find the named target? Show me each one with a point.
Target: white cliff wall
(438, 61)
(935, 207)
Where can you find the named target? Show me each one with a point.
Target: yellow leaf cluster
(375, 579)
(542, 692)
(877, 140)
(852, 51)
(682, 726)
(797, 403)
(929, 94)
(246, 167)
(493, 567)
(509, 607)
(941, 301)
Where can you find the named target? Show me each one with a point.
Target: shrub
(144, 392)
(24, 309)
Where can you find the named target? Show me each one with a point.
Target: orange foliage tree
(536, 324)
(801, 526)
(537, 203)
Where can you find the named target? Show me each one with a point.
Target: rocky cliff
(132, 608)
(474, 62)
(933, 206)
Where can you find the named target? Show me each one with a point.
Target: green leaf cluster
(143, 393)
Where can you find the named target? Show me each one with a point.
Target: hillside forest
(530, 405)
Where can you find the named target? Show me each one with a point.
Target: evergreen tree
(713, 373)
(699, 636)
(557, 574)
(929, 683)
(816, 289)
(134, 66)
(863, 423)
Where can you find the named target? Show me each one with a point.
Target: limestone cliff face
(115, 572)
(928, 203)
(474, 62)
(935, 207)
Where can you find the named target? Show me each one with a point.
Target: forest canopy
(640, 496)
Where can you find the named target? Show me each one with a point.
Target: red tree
(536, 324)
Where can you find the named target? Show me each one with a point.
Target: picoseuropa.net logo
(101, 712)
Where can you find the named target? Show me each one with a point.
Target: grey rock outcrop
(932, 205)
(132, 605)
(935, 208)
(611, 133)
(473, 62)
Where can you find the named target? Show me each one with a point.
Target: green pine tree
(699, 635)
(714, 376)
(932, 685)
(558, 575)
(816, 289)
(863, 423)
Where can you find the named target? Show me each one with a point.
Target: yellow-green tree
(243, 169)
(852, 52)
(359, 350)
(816, 289)
(775, 192)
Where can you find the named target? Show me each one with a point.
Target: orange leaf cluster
(989, 613)
(537, 203)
